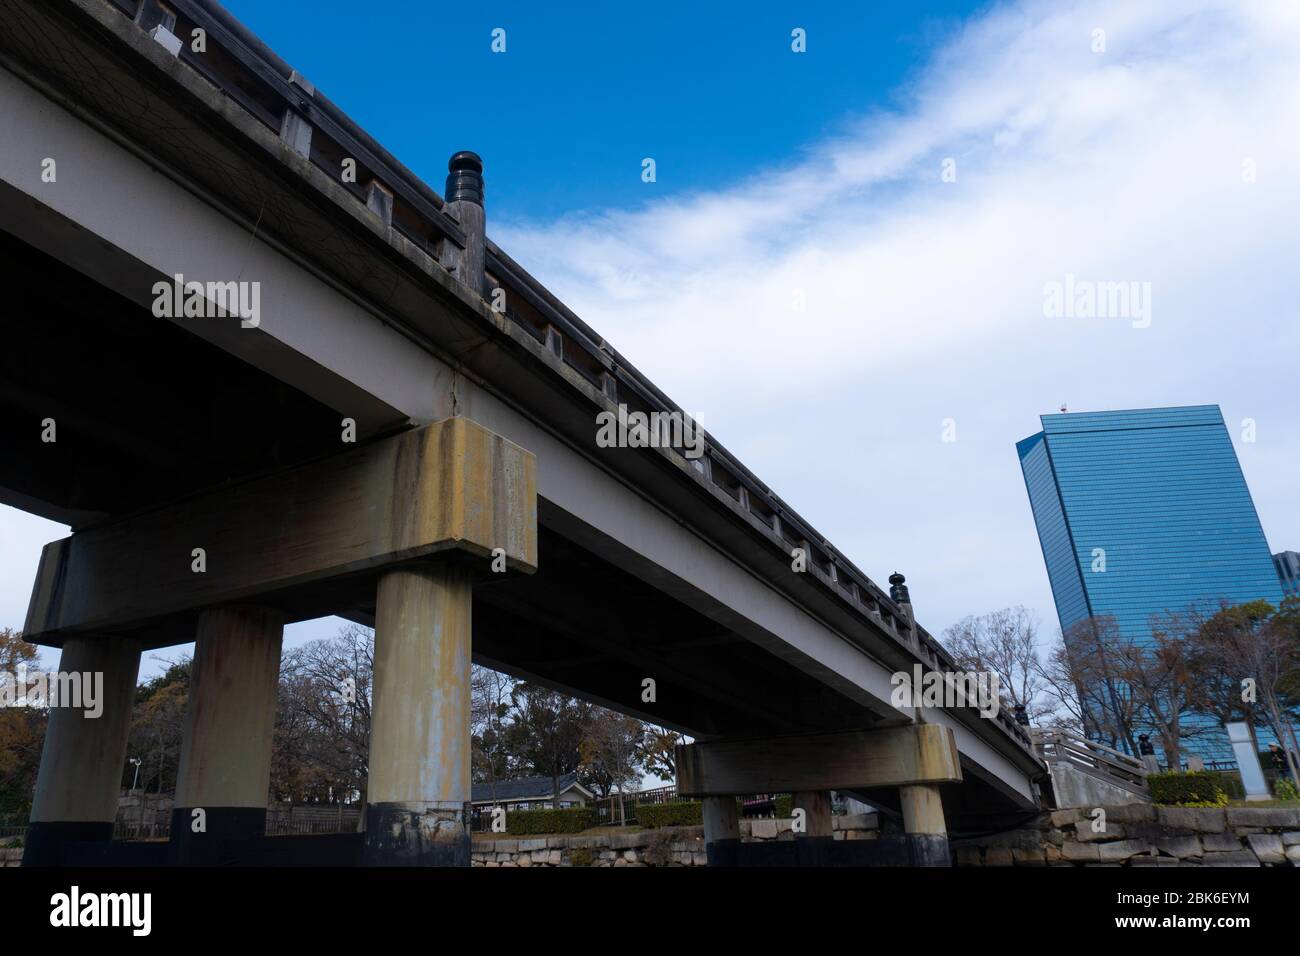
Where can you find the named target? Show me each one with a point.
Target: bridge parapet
(312, 135)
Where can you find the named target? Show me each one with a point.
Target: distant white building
(530, 793)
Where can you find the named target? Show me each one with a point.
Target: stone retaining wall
(1143, 835)
(10, 856)
(666, 846)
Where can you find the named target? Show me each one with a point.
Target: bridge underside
(98, 365)
(644, 569)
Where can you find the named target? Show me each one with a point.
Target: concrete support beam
(813, 844)
(84, 756)
(721, 830)
(419, 787)
(846, 760)
(924, 825)
(225, 767)
(293, 539)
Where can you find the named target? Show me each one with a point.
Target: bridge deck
(174, 163)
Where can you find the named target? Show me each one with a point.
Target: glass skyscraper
(1288, 571)
(1145, 511)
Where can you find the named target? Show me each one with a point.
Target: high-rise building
(1288, 571)
(1145, 511)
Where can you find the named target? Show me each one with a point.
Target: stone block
(763, 829)
(1275, 817)
(1080, 852)
(1084, 834)
(1179, 846)
(1131, 813)
(1065, 818)
(1194, 819)
(1267, 847)
(997, 856)
(856, 821)
(1221, 842)
(1028, 857)
(969, 856)
(1122, 850)
(1235, 858)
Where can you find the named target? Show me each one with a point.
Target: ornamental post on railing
(464, 201)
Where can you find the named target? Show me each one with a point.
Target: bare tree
(1004, 643)
(1157, 673)
(611, 749)
(1107, 705)
(329, 684)
(1257, 649)
(489, 707)
(1061, 691)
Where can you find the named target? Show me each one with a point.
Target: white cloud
(925, 298)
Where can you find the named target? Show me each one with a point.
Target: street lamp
(134, 780)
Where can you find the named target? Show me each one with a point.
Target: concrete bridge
(266, 374)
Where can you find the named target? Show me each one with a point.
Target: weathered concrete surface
(450, 485)
(1075, 788)
(83, 755)
(230, 717)
(419, 786)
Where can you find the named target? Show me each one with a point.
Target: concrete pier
(419, 788)
(923, 822)
(84, 757)
(721, 830)
(813, 845)
(225, 766)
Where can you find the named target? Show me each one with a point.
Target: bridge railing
(1061, 746)
(268, 88)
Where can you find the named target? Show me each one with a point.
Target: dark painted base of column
(45, 843)
(723, 852)
(400, 834)
(229, 838)
(929, 849)
(813, 851)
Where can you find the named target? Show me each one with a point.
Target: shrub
(567, 820)
(1231, 784)
(1284, 789)
(1194, 788)
(682, 814)
(582, 856)
(784, 806)
(659, 849)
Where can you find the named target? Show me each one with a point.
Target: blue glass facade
(1145, 511)
(1288, 571)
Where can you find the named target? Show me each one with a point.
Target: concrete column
(927, 834)
(721, 831)
(419, 788)
(84, 756)
(813, 846)
(225, 767)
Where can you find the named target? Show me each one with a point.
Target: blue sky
(585, 91)
(805, 279)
